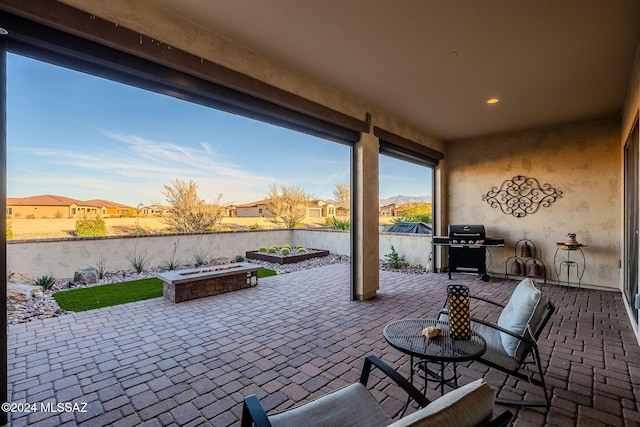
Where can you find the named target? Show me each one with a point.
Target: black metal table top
(406, 336)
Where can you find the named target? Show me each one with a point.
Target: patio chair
(355, 406)
(512, 342)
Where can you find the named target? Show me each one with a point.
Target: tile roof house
(392, 210)
(108, 208)
(253, 210)
(50, 206)
(155, 210)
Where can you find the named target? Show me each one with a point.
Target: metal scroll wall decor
(521, 196)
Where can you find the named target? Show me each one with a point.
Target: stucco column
(366, 275)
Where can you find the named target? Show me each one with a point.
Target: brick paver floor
(294, 337)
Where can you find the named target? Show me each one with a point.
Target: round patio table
(406, 336)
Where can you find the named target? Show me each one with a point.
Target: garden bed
(278, 258)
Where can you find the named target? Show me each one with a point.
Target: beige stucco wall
(581, 159)
(40, 212)
(60, 258)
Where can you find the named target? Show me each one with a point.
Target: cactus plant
(285, 251)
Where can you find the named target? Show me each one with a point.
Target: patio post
(366, 275)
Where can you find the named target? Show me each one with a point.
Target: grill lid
(461, 231)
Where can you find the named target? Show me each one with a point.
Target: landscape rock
(22, 292)
(87, 276)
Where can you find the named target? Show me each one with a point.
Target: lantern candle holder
(459, 316)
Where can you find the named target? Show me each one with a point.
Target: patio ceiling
(434, 63)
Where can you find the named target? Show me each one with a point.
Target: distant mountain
(405, 199)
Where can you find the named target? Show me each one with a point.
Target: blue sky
(79, 136)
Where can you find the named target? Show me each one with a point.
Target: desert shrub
(30, 216)
(239, 258)
(338, 224)
(190, 213)
(101, 267)
(9, 232)
(262, 249)
(139, 260)
(201, 255)
(172, 262)
(272, 250)
(138, 229)
(46, 282)
(255, 226)
(285, 251)
(393, 259)
(58, 214)
(91, 227)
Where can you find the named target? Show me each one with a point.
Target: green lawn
(117, 293)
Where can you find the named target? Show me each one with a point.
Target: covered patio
(568, 78)
(294, 337)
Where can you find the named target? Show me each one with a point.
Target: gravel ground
(42, 308)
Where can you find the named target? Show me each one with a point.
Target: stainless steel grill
(468, 248)
(468, 255)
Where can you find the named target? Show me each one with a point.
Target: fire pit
(207, 281)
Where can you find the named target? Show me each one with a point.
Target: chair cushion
(470, 405)
(495, 352)
(518, 312)
(351, 406)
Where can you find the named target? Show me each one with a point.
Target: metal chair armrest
(527, 339)
(487, 300)
(401, 381)
(253, 413)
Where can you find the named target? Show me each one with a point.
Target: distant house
(230, 211)
(391, 210)
(253, 209)
(50, 206)
(315, 208)
(45, 206)
(155, 210)
(329, 210)
(108, 208)
(341, 211)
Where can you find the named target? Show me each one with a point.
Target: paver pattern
(294, 337)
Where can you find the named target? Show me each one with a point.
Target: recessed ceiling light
(493, 101)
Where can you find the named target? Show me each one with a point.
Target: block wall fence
(60, 258)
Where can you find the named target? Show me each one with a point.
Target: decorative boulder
(87, 276)
(21, 292)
